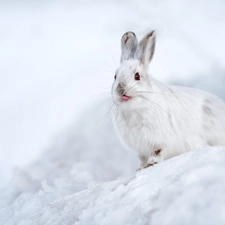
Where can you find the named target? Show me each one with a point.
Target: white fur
(162, 117)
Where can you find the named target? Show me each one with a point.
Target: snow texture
(49, 66)
(64, 188)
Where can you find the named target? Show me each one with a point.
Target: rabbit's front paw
(148, 165)
(145, 166)
(154, 159)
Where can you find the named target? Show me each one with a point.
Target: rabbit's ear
(128, 46)
(146, 48)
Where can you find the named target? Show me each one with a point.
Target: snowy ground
(67, 159)
(63, 189)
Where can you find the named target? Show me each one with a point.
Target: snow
(61, 162)
(187, 189)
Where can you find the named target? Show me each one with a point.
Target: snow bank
(187, 189)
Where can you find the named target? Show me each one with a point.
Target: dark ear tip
(128, 37)
(128, 34)
(132, 33)
(150, 34)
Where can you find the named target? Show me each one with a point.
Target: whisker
(110, 67)
(107, 113)
(130, 88)
(150, 92)
(109, 71)
(114, 111)
(154, 103)
(106, 101)
(104, 88)
(114, 60)
(98, 95)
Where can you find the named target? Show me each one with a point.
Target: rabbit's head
(132, 81)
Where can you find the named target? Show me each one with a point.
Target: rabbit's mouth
(125, 97)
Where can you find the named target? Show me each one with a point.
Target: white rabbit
(157, 120)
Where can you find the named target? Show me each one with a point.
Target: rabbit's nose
(120, 89)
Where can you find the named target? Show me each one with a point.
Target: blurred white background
(56, 55)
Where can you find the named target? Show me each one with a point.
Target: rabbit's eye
(114, 77)
(137, 76)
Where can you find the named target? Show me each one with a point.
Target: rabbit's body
(174, 120)
(160, 121)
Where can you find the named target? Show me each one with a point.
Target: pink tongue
(125, 97)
